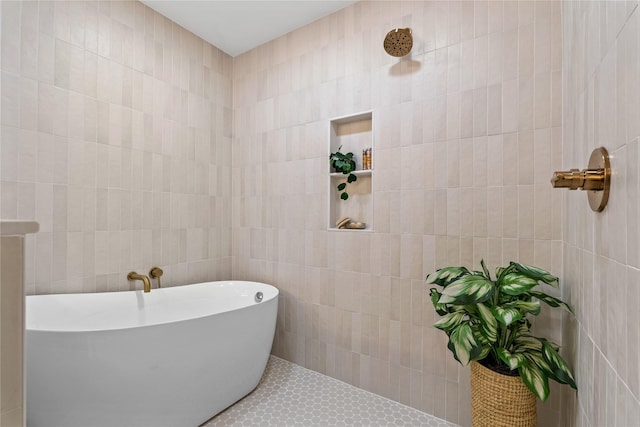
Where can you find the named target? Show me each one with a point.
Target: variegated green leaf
(552, 301)
(512, 360)
(551, 363)
(467, 290)
(464, 345)
(506, 316)
(481, 338)
(523, 328)
(526, 307)
(558, 366)
(553, 345)
(484, 353)
(534, 379)
(450, 321)
(485, 269)
(516, 283)
(446, 276)
(536, 358)
(523, 345)
(489, 324)
(536, 273)
(441, 309)
(485, 345)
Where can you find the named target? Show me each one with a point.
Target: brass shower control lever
(583, 179)
(596, 179)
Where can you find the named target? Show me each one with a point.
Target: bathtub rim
(268, 298)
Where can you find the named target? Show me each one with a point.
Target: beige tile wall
(116, 138)
(467, 133)
(601, 85)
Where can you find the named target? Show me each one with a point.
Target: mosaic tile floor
(290, 395)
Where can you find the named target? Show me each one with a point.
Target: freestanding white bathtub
(173, 357)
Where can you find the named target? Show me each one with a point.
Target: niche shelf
(354, 133)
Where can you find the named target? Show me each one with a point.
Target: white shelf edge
(361, 172)
(362, 115)
(366, 230)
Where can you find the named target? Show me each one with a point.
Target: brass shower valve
(596, 179)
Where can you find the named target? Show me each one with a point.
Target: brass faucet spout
(132, 276)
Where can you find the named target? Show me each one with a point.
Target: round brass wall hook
(596, 179)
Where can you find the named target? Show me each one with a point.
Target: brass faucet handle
(571, 179)
(156, 273)
(587, 179)
(594, 179)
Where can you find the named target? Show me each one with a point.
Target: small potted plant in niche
(488, 323)
(344, 163)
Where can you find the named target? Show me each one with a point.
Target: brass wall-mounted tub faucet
(156, 273)
(133, 276)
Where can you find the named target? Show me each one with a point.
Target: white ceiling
(238, 26)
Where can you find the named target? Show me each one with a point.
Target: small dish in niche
(342, 222)
(356, 225)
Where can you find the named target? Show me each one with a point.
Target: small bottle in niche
(366, 159)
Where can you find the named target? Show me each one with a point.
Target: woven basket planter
(500, 400)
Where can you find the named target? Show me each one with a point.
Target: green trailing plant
(344, 163)
(489, 321)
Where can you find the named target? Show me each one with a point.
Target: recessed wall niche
(353, 133)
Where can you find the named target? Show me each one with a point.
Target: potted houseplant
(488, 322)
(344, 163)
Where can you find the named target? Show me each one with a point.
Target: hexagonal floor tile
(290, 395)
